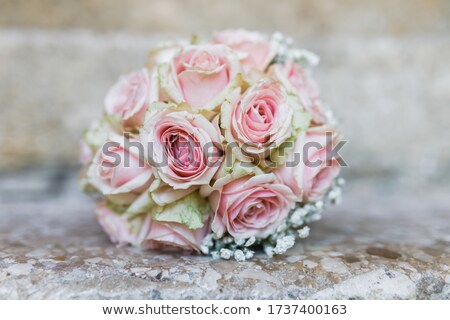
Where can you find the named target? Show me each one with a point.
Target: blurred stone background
(385, 71)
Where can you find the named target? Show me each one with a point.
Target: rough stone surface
(376, 245)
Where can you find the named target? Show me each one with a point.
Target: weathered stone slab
(375, 245)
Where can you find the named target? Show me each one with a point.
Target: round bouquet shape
(221, 148)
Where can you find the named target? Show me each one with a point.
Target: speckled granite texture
(376, 245)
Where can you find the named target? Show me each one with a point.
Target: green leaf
(302, 118)
(191, 211)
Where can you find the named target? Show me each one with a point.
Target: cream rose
(117, 171)
(85, 153)
(251, 206)
(116, 226)
(254, 49)
(156, 235)
(186, 147)
(202, 76)
(128, 100)
(146, 232)
(261, 119)
(294, 76)
(309, 170)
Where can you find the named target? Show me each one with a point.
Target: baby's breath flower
(239, 255)
(314, 217)
(249, 254)
(278, 36)
(329, 117)
(268, 250)
(319, 204)
(204, 249)
(283, 244)
(297, 216)
(227, 240)
(250, 241)
(303, 232)
(340, 182)
(215, 255)
(225, 253)
(289, 41)
(305, 56)
(335, 195)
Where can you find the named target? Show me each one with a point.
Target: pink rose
(85, 153)
(254, 49)
(202, 76)
(116, 226)
(294, 75)
(128, 100)
(251, 206)
(186, 147)
(147, 233)
(112, 175)
(156, 235)
(313, 176)
(260, 119)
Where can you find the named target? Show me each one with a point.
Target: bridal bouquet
(220, 147)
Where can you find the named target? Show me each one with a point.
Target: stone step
(376, 245)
